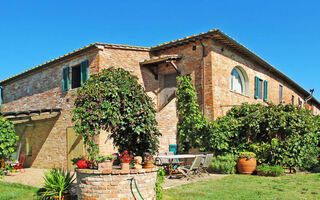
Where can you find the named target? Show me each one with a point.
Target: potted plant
(148, 160)
(57, 184)
(247, 162)
(105, 161)
(125, 158)
(81, 162)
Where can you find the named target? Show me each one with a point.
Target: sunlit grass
(14, 191)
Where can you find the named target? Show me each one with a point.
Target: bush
(223, 164)
(114, 101)
(268, 170)
(278, 134)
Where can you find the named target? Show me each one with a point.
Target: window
(292, 99)
(300, 102)
(167, 93)
(238, 81)
(280, 93)
(79, 74)
(261, 89)
(76, 76)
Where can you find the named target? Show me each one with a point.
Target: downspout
(203, 73)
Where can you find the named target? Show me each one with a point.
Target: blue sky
(284, 33)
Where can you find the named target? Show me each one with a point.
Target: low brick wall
(116, 184)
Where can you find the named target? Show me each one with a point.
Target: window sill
(244, 95)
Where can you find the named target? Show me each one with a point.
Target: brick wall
(116, 184)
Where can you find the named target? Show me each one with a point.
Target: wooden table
(173, 157)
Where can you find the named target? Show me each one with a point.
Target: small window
(300, 102)
(76, 76)
(238, 81)
(167, 93)
(280, 93)
(292, 99)
(258, 93)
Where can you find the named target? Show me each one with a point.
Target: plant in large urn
(105, 162)
(247, 162)
(148, 160)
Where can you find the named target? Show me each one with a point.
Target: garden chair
(188, 171)
(206, 163)
(19, 166)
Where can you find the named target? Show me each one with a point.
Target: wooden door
(75, 147)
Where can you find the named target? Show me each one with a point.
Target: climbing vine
(114, 101)
(191, 122)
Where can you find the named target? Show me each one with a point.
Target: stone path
(174, 182)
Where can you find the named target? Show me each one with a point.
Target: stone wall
(116, 184)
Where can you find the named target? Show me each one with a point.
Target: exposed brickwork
(211, 77)
(116, 184)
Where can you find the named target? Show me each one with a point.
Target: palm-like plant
(57, 183)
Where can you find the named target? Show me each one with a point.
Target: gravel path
(32, 176)
(174, 182)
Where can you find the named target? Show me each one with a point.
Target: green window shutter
(65, 75)
(265, 98)
(84, 71)
(256, 88)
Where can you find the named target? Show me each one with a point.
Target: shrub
(8, 140)
(223, 164)
(114, 101)
(278, 134)
(247, 155)
(267, 170)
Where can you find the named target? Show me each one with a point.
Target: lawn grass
(15, 191)
(246, 187)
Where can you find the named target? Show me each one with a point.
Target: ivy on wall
(114, 101)
(191, 122)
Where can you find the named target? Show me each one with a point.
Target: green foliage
(159, 181)
(278, 134)
(58, 182)
(275, 170)
(191, 122)
(114, 101)
(100, 158)
(247, 155)
(8, 140)
(223, 164)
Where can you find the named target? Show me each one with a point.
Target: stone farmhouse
(224, 73)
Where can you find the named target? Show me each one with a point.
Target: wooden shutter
(265, 98)
(256, 88)
(84, 71)
(65, 75)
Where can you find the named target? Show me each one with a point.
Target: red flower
(125, 157)
(82, 164)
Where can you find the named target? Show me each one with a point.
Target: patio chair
(19, 166)
(206, 163)
(162, 161)
(188, 171)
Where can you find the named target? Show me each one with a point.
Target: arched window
(238, 81)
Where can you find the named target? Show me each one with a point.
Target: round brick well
(116, 184)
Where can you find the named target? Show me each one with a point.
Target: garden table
(171, 158)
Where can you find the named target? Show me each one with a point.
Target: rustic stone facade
(116, 184)
(208, 60)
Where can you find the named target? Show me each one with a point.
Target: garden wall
(116, 184)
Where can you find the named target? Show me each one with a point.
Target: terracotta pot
(106, 165)
(246, 166)
(148, 164)
(2, 163)
(125, 166)
(63, 197)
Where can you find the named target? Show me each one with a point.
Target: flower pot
(63, 197)
(2, 163)
(148, 164)
(125, 166)
(246, 166)
(106, 165)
